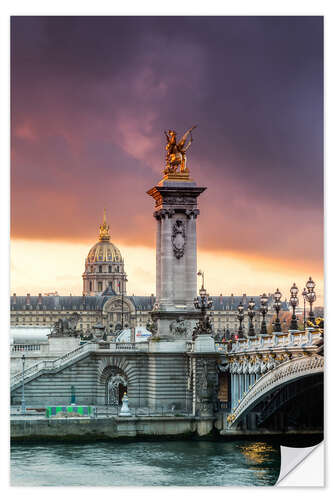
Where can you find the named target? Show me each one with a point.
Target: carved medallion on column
(178, 238)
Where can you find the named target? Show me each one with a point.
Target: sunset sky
(90, 98)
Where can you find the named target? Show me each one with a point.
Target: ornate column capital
(163, 213)
(192, 214)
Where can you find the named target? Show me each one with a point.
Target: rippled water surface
(162, 463)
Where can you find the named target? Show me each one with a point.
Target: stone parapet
(85, 429)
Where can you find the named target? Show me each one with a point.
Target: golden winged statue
(176, 151)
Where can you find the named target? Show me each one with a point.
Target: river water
(146, 463)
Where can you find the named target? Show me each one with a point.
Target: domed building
(104, 267)
(104, 301)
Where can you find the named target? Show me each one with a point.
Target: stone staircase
(42, 367)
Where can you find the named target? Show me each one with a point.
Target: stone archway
(115, 388)
(111, 366)
(113, 383)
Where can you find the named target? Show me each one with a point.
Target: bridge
(269, 372)
(262, 375)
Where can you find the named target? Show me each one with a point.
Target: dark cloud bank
(91, 97)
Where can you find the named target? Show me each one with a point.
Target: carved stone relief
(179, 327)
(178, 238)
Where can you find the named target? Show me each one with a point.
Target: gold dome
(104, 250)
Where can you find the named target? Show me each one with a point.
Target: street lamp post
(294, 304)
(124, 280)
(304, 293)
(251, 314)
(311, 297)
(263, 310)
(240, 316)
(277, 307)
(204, 303)
(23, 400)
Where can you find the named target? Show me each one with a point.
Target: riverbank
(86, 429)
(93, 429)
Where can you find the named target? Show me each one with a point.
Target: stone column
(158, 256)
(176, 257)
(165, 261)
(190, 288)
(233, 396)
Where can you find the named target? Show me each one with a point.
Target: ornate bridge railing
(284, 373)
(291, 339)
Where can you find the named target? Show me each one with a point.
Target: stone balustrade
(292, 338)
(250, 359)
(25, 347)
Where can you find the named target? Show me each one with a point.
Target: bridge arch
(285, 373)
(114, 378)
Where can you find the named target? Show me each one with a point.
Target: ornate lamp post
(240, 316)
(204, 303)
(277, 307)
(251, 314)
(294, 303)
(311, 297)
(23, 400)
(304, 293)
(263, 310)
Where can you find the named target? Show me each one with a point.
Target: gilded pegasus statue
(176, 152)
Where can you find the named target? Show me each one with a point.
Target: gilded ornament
(176, 153)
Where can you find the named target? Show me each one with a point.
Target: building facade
(104, 300)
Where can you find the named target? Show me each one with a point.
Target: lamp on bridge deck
(240, 316)
(311, 297)
(263, 310)
(294, 303)
(251, 314)
(277, 307)
(304, 293)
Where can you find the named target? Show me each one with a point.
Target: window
(90, 286)
(100, 269)
(110, 269)
(100, 286)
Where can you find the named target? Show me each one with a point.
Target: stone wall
(80, 429)
(55, 388)
(153, 379)
(167, 381)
